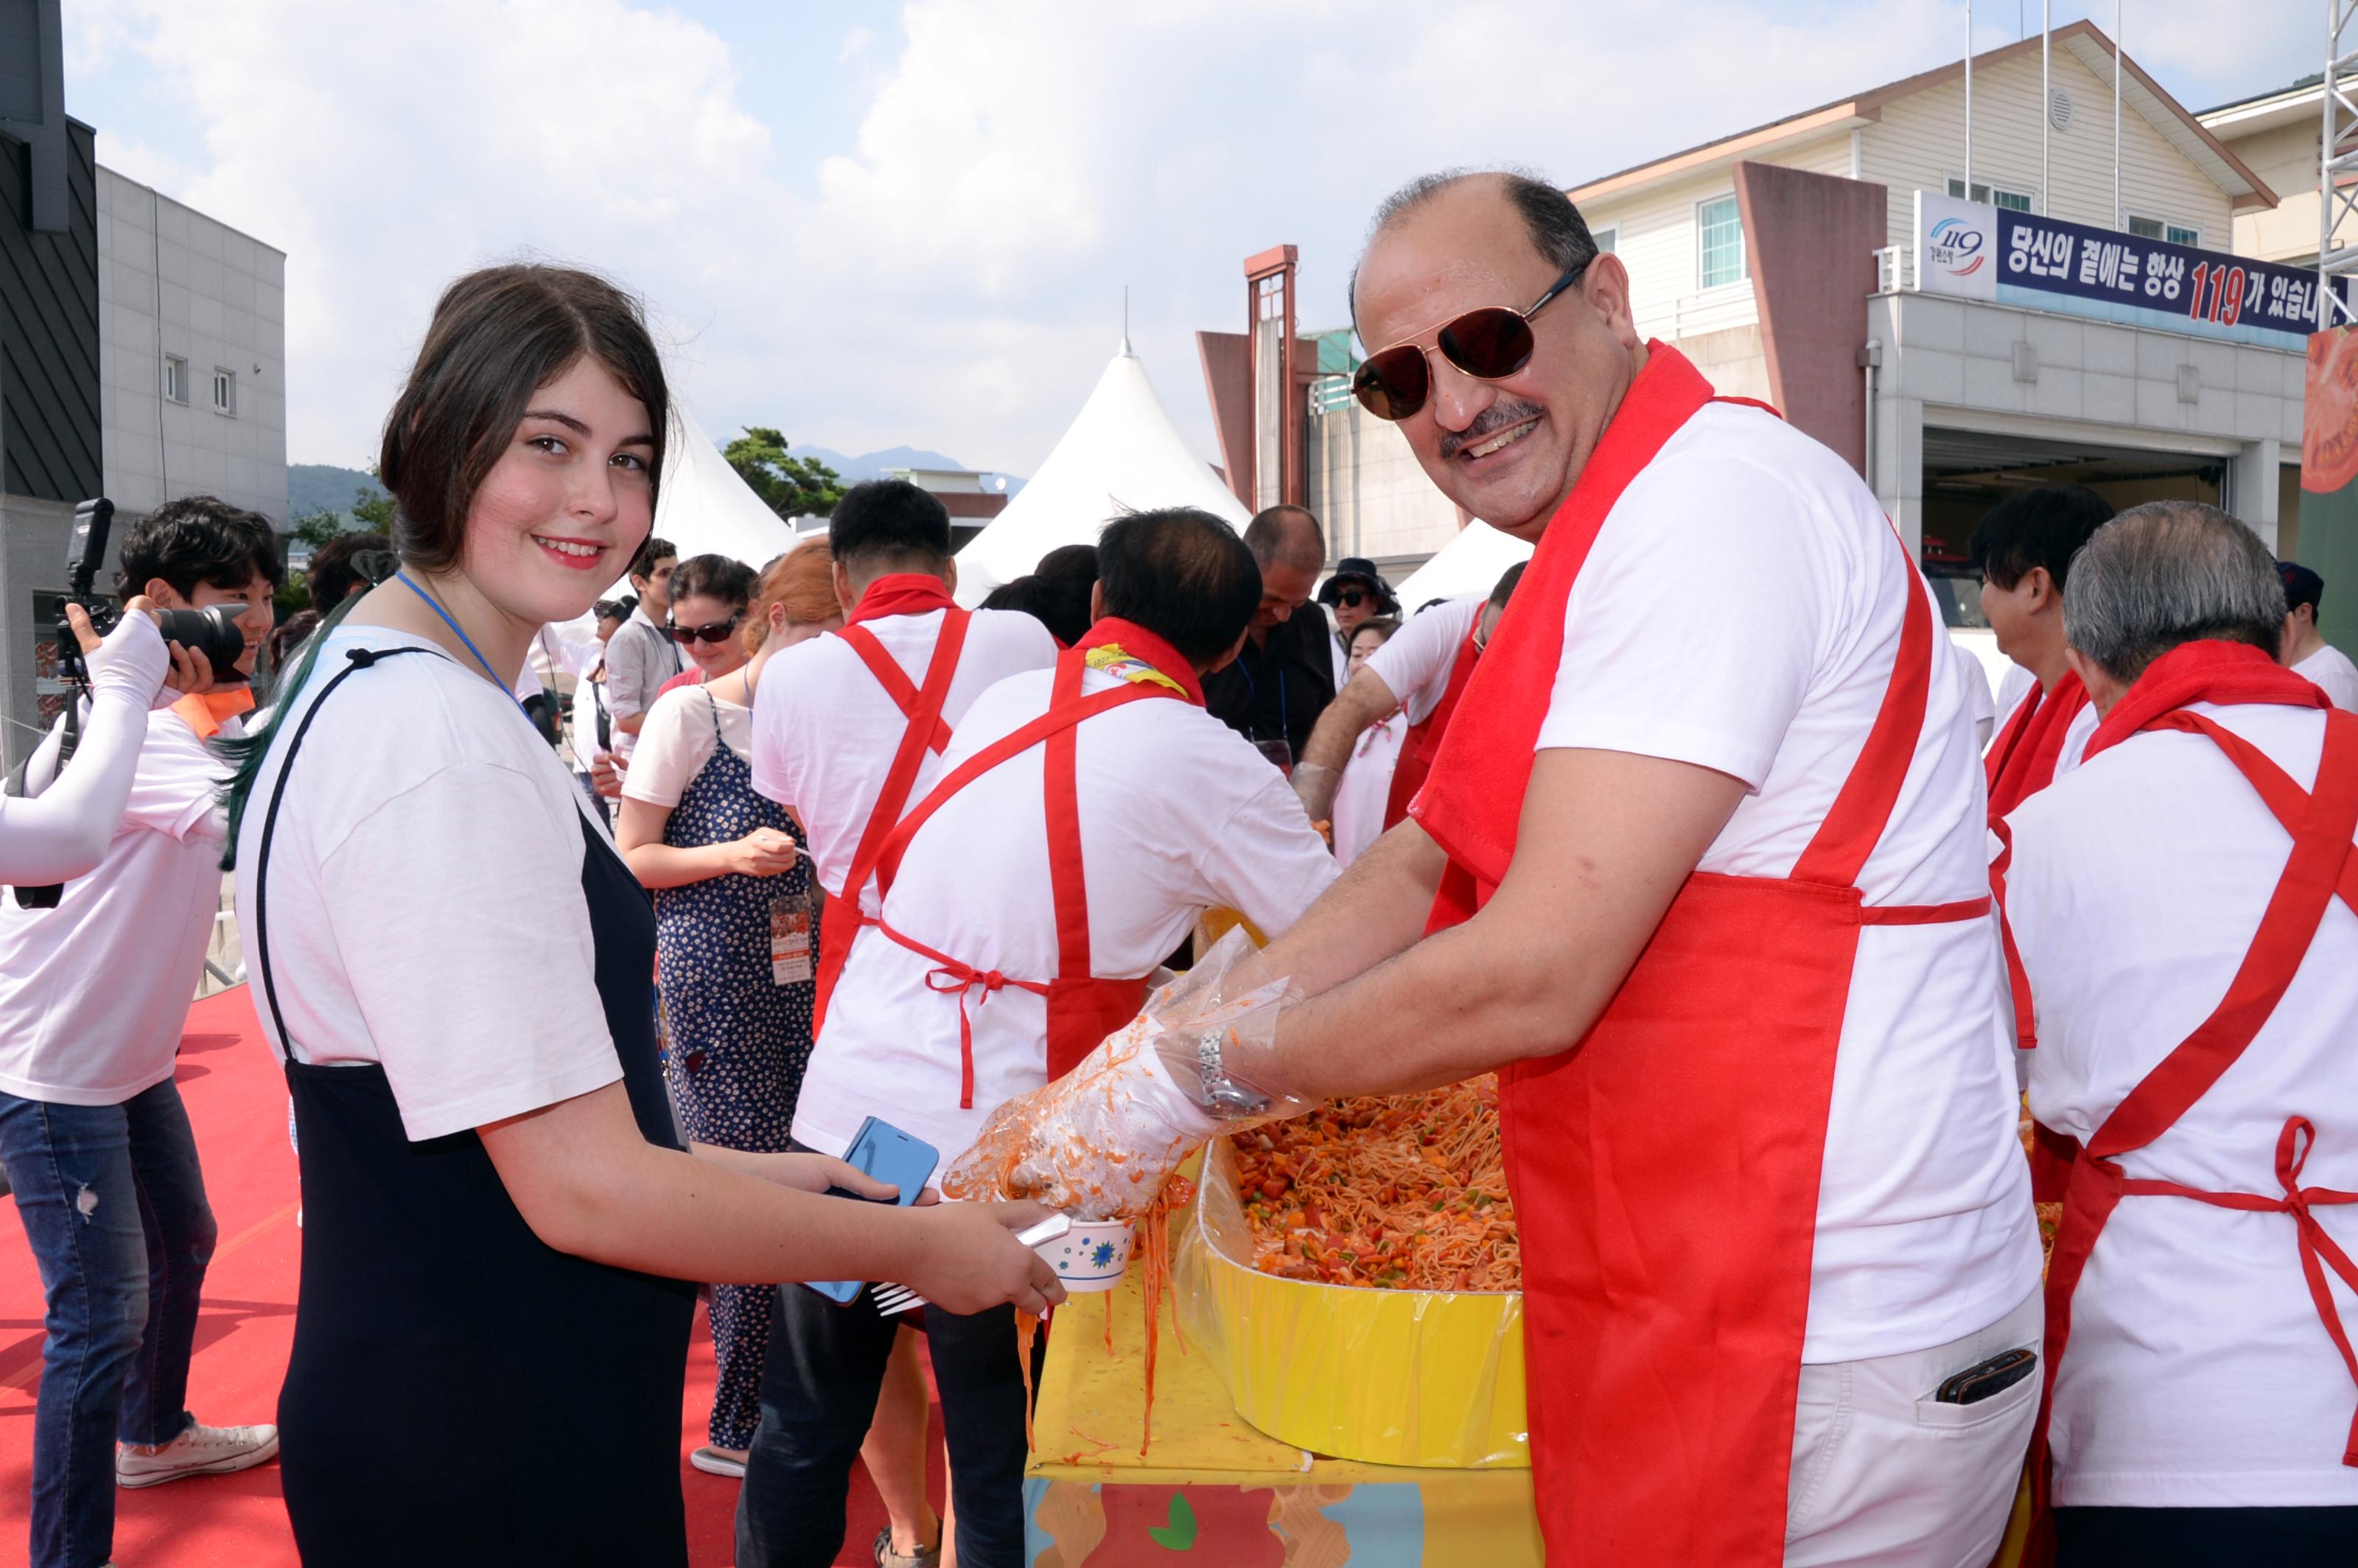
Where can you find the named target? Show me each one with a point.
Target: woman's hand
(606, 771)
(763, 852)
(969, 1260)
(815, 1174)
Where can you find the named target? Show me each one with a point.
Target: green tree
(371, 513)
(790, 487)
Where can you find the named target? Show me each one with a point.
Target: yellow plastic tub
(1423, 1377)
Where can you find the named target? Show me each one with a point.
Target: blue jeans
(114, 1205)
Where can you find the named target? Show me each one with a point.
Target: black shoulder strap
(361, 658)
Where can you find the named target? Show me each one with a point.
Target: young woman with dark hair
(490, 1341)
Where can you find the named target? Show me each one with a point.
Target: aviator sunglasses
(1489, 344)
(712, 631)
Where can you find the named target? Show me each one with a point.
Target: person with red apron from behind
(1422, 671)
(1718, 905)
(848, 729)
(1085, 817)
(2186, 906)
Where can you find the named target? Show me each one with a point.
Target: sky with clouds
(869, 225)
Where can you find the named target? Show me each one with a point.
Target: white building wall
(172, 281)
(2285, 160)
(1362, 481)
(1919, 143)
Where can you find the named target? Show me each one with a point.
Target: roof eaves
(1726, 150)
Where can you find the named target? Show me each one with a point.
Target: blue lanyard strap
(461, 633)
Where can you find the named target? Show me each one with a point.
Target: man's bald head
(1506, 449)
(1290, 548)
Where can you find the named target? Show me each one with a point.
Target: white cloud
(946, 268)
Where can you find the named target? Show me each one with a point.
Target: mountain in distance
(869, 465)
(323, 487)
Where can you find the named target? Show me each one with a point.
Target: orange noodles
(1154, 1240)
(1027, 1329)
(1406, 1192)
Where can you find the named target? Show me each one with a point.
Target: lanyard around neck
(460, 633)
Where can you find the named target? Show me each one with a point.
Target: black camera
(212, 633)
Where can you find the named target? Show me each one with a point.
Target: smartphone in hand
(882, 1150)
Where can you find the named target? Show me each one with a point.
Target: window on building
(1994, 194)
(1607, 240)
(1721, 231)
(175, 378)
(225, 391)
(2177, 237)
(2159, 229)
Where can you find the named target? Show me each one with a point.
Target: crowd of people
(579, 1020)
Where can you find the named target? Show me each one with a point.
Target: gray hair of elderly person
(2165, 573)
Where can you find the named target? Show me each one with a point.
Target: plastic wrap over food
(1387, 1377)
(1099, 1142)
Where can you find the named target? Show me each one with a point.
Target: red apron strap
(2284, 797)
(1856, 821)
(2017, 725)
(950, 974)
(924, 718)
(894, 679)
(1061, 795)
(1423, 739)
(2017, 978)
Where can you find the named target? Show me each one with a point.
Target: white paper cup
(1091, 1256)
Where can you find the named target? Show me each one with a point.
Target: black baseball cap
(1361, 569)
(2301, 585)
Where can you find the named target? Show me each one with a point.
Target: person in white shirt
(1103, 785)
(1715, 904)
(1356, 819)
(850, 731)
(2023, 548)
(99, 1152)
(734, 924)
(640, 657)
(1419, 674)
(2182, 907)
(2308, 654)
(590, 734)
(502, 1225)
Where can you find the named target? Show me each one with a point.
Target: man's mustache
(1486, 424)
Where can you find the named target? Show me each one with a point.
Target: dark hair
(1557, 231)
(498, 336)
(290, 634)
(1507, 581)
(615, 609)
(889, 524)
(198, 539)
(1274, 536)
(2301, 587)
(650, 554)
(1184, 575)
(2041, 527)
(723, 578)
(1056, 594)
(1383, 624)
(333, 575)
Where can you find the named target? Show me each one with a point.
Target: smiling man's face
(1506, 451)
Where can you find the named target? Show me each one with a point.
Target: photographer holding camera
(93, 994)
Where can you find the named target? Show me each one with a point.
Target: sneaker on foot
(199, 1451)
(715, 1461)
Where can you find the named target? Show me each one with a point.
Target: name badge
(790, 940)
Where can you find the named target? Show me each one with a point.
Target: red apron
(1082, 1009)
(1423, 741)
(1665, 1167)
(2319, 869)
(921, 707)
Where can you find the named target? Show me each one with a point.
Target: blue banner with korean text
(2046, 263)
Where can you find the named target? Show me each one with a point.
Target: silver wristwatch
(1228, 1098)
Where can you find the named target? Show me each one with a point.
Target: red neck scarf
(1473, 799)
(2022, 761)
(901, 593)
(1143, 647)
(2205, 671)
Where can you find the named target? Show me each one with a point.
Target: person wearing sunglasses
(1700, 870)
(1355, 594)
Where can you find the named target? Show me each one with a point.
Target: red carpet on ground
(237, 1099)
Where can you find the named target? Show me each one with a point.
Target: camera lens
(212, 633)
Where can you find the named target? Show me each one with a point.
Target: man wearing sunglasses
(1700, 867)
(1284, 677)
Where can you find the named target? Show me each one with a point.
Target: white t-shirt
(2198, 1374)
(2076, 734)
(426, 902)
(1178, 812)
(1415, 662)
(679, 739)
(1788, 590)
(1367, 788)
(94, 993)
(825, 730)
(2330, 669)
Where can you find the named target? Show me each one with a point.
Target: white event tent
(1122, 453)
(1471, 563)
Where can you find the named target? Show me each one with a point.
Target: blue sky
(870, 224)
